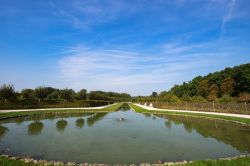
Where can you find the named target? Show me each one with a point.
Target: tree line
(228, 85)
(42, 93)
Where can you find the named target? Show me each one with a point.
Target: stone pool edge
(32, 161)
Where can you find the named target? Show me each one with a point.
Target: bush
(34, 103)
(225, 99)
(244, 97)
(198, 99)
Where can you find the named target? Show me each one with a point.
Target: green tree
(42, 92)
(55, 95)
(27, 94)
(154, 94)
(81, 95)
(186, 97)
(7, 92)
(178, 90)
(242, 78)
(163, 94)
(227, 86)
(213, 92)
(98, 95)
(193, 86)
(173, 99)
(67, 94)
(203, 88)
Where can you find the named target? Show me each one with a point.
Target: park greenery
(228, 85)
(110, 108)
(42, 93)
(36, 127)
(42, 97)
(239, 120)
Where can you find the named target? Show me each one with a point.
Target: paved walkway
(198, 112)
(44, 109)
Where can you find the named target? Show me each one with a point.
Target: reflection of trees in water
(79, 123)
(51, 117)
(45, 116)
(188, 125)
(125, 107)
(94, 118)
(61, 125)
(168, 124)
(147, 115)
(19, 120)
(35, 128)
(3, 131)
(230, 133)
(36, 117)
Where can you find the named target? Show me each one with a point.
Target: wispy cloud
(136, 46)
(84, 14)
(133, 72)
(228, 16)
(178, 47)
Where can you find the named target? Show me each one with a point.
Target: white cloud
(228, 16)
(133, 72)
(84, 14)
(180, 48)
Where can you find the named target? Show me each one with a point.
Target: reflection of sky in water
(122, 137)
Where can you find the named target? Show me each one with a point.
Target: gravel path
(198, 112)
(44, 109)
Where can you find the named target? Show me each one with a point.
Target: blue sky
(134, 46)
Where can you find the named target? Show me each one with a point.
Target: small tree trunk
(246, 105)
(213, 106)
(186, 105)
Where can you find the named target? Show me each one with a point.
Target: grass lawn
(7, 115)
(229, 118)
(4, 161)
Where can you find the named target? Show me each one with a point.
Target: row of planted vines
(240, 108)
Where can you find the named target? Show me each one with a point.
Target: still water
(122, 137)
